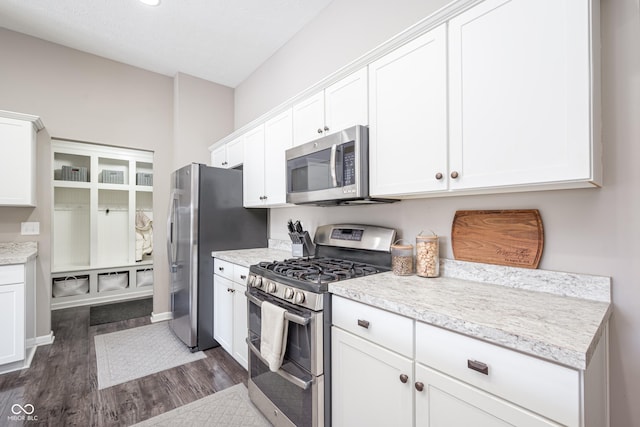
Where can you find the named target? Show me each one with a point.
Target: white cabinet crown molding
(37, 122)
(431, 21)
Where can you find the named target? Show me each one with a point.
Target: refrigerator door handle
(171, 247)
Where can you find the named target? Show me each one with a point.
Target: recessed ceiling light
(151, 2)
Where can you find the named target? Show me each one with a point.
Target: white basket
(144, 277)
(113, 281)
(69, 286)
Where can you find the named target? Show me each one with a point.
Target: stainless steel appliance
(205, 214)
(331, 170)
(299, 393)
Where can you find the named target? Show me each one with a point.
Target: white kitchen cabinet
(443, 401)
(264, 171)
(451, 379)
(339, 106)
(230, 155)
(18, 158)
(522, 97)
(367, 389)
(230, 309)
(408, 118)
(97, 193)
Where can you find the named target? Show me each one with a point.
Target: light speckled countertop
(553, 315)
(549, 324)
(17, 252)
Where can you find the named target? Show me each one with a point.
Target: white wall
(203, 114)
(593, 231)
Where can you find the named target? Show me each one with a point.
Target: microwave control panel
(348, 164)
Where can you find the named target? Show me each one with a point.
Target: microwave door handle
(334, 178)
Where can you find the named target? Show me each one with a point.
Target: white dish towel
(273, 335)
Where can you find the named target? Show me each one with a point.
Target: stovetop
(314, 274)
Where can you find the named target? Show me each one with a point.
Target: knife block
(301, 245)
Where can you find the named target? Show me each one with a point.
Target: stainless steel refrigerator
(205, 215)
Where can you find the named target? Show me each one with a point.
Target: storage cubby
(144, 174)
(94, 232)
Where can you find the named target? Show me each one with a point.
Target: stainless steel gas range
(299, 393)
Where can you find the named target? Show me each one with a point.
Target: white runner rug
(230, 407)
(134, 353)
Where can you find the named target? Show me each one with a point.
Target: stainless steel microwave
(331, 170)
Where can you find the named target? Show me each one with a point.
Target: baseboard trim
(161, 317)
(41, 340)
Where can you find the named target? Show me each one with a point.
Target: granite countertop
(17, 252)
(548, 324)
(248, 257)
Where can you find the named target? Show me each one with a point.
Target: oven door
(294, 395)
(330, 168)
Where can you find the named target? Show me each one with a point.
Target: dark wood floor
(62, 383)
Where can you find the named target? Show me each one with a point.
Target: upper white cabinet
(408, 117)
(18, 158)
(339, 106)
(264, 178)
(521, 94)
(229, 155)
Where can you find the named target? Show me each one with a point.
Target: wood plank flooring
(62, 382)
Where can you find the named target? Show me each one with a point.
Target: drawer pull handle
(478, 366)
(221, 268)
(404, 378)
(243, 276)
(419, 386)
(363, 323)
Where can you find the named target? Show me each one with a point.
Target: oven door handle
(286, 375)
(289, 316)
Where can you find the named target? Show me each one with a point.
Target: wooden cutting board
(503, 237)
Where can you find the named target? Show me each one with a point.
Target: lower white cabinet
(230, 309)
(367, 389)
(388, 369)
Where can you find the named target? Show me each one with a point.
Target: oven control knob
(298, 297)
(258, 282)
(271, 287)
(288, 293)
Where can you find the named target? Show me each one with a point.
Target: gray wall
(88, 98)
(593, 231)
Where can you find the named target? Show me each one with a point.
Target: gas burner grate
(319, 270)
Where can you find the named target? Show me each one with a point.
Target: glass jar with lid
(427, 255)
(401, 259)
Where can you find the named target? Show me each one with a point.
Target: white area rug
(134, 353)
(230, 407)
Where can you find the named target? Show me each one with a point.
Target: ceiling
(222, 41)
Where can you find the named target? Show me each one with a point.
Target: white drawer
(387, 329)
(240, 274)
(223, 268)
(11, 274)
(543, 387)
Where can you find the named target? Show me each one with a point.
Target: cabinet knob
(404, 378)
(438, 176)
(454, 174)
(319, 130)
(419, 386)
(326, 128)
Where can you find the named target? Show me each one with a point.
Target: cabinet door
(219, 157)
(408, 118)
(17, 162)
(345, 103)
(366, 389)
(520, 98)
(308, 119)
(240, 348)
(446, 402)
(223, 312)
(277, 139)
(253, 170)
(235, 152)
(12, 319)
